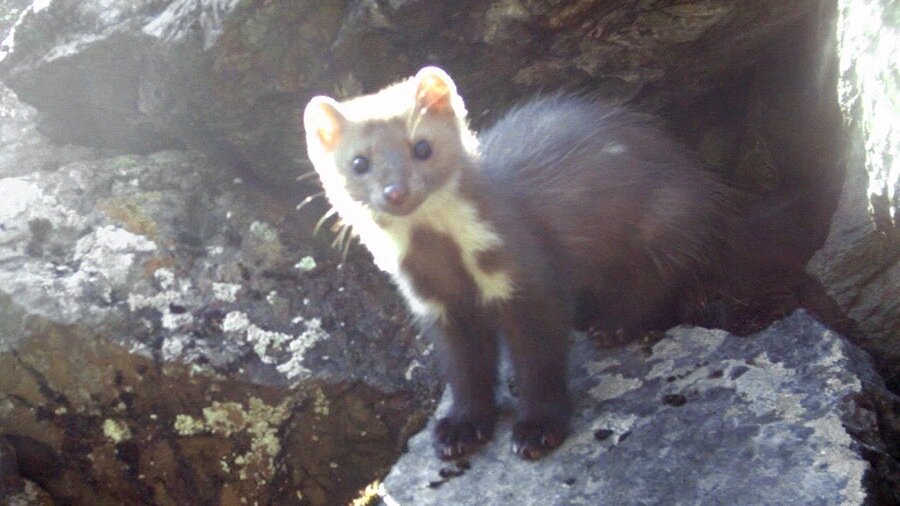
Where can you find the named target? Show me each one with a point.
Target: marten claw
(533, 440)
(456, 438)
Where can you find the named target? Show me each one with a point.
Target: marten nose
(396, 193)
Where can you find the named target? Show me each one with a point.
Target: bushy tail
(763, 277)
(774, 237)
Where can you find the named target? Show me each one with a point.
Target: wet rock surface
(786, 416)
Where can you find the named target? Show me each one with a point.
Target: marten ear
(435, 91)
(323, 121)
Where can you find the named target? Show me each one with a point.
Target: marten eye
(360, 165)
(422, 150)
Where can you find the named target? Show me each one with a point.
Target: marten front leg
(535, 333)
(466, 347)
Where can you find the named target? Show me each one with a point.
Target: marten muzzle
(396, 194)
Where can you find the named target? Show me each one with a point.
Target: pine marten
(492, 237)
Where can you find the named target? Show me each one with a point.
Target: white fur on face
(445, 211)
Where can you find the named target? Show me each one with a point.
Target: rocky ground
(785, 416)
(172, 331)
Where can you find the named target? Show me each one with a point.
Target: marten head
(389, 151)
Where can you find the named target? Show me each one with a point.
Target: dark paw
(533, 439)
(457, 437)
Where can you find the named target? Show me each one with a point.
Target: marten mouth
(402, 209)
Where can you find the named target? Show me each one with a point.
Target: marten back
(629, 214)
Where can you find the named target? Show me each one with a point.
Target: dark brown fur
(593, 203)
(630, 217)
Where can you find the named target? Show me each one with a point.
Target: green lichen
(264, 421)
(306, 264)
(320, 403)
(187, 425)
(116, 431)
(258, 420)
(225, 418)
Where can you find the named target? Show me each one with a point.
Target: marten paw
(457, 437)
(533, 439)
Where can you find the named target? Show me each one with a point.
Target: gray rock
(9, 13)
(178, 250)
(124, 276)
(227, 76)
(22, 149)
(704, 417)
(164, 243)
(859, 264)
(96, 53)
(163, 261)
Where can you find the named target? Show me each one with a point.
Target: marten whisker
(309, 199)
(347, 242)
(306, 176)
(337, 243)
(331, 212)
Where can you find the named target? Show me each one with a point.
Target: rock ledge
(702, 417)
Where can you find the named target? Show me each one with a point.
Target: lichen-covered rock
(205, 266)
(166, 337)
(227, 75)
(169, 331)
(859, 264)
(91, 422)
(701, 417)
